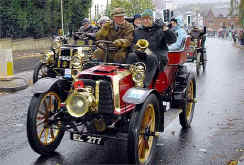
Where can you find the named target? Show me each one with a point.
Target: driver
(120, 32)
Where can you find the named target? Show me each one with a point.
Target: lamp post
(62, 17)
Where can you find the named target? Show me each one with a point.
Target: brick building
(217, 19)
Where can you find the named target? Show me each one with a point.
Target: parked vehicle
(109, 101)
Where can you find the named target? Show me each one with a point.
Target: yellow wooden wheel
(44, 132)
(145, 141)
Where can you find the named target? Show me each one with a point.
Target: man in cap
(120, 32)
(158, 39)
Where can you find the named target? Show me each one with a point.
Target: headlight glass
(77, 105)
(139, 77)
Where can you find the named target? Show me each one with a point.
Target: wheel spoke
(141, 148)
(46, 136)
(40, 123)
(46, 106)
(50, 103)
(146, 144)
(52, 133)
(40, 135)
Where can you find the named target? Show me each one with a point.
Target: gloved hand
(118, 43)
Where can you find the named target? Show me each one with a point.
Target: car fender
(137, 95)
(45, 84)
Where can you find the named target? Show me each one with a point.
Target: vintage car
(109, 101)
(197, 53)
(63, 57)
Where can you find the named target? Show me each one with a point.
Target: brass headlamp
(138, 73)
(81, 101)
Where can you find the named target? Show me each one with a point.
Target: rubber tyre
(134, 127)
(204, 62)
(32, 135)
(37, 69)
(184, 121)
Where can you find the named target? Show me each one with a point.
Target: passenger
(137, 21)
(102, 21)
(120, 32)
(86, 26)
(157, 54)
(176, 24)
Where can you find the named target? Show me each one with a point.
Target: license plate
(87, 138)
(67, 73)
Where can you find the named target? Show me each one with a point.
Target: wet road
(216, 136)
(25, 63)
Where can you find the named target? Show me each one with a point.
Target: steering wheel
(80, 35)
(106, 45)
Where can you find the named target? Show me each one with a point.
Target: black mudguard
(138, 96)
(45, 84)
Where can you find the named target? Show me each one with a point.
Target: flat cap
(118, 12)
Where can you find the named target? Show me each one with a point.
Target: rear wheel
(43, 135)
(144, 123)
(186, 115)
(204, 61)
(40, 71)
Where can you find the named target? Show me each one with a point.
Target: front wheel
(44, 134)
(143, 125)
(40, 71)
(186, 115)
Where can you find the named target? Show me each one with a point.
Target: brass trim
(116, 79)
(59, 54)
(97, 94)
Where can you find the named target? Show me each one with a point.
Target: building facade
(219, 21)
